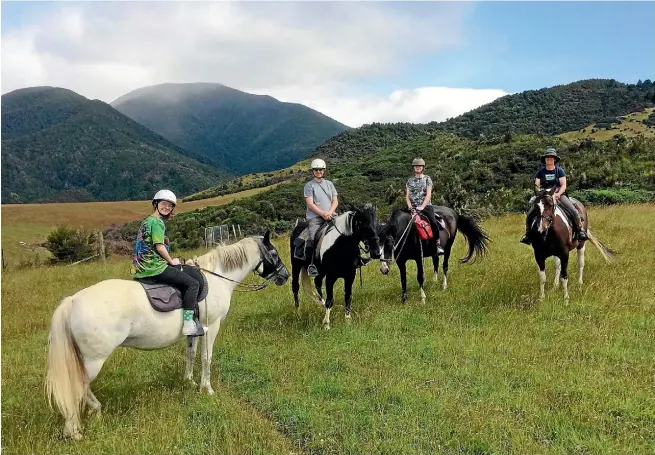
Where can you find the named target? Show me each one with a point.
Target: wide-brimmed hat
(550, 152)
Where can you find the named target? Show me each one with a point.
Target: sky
(357, 62)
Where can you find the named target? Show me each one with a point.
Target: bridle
(266, 258)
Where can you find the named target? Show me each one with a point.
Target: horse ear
(267, 237)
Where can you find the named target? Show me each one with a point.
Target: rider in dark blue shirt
(548, 177)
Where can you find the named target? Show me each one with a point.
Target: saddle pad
(163, 297)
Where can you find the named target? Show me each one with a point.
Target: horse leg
(92, 367)
(435, 266)
(329, 288)
(420, 278)
(192, 347)
(348, 291)
(581, 250)
(318, 284)
(94, 404)
(541, 263)
(206, 356)
(295, 282)
(558, 271)
(565, 276)
(402, 267)
(446, 258)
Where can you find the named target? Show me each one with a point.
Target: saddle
(165, 298)
(300, 242)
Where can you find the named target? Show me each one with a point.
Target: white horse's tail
(607, 254)
(308, 286)
(66, 372)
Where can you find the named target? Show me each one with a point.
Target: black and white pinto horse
(401, 243)
(337, 256)
(551, 234)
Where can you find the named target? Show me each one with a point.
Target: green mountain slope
(60, 146)
(235, 130)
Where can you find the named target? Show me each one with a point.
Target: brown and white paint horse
(551, 234)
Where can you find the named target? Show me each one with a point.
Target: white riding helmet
(318, 164)
(165, 195)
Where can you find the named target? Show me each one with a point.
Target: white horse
(88, 326)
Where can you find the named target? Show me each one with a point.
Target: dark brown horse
(551, 234)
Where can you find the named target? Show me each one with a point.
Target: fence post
(239, 226)
(234, 230)
(4, 264)
(101, 246)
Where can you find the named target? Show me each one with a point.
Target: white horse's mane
(229, 257)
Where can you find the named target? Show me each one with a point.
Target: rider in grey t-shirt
(321, 199)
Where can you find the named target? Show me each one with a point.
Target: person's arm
(562, 188)
(333, 207)
(158, 236)
(409, 202)
(428, 195)
(161, 249)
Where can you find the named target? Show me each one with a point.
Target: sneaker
(440, 251)
(312, 271)
(192, 329)
(525, 240)
(582, 236)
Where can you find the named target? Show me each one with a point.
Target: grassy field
(482, 368)
(630, 126)
(31, 223)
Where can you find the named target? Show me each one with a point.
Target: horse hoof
(191, 382)
(404, 298)
(348, 318)
(72, 433)
(208, 389)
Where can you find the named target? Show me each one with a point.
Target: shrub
(69, 245)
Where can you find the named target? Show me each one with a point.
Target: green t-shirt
(147, 261)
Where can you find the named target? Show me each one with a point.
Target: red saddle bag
(423, 228)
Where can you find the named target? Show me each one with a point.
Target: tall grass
(481, 368)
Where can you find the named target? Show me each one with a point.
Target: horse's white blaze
(541, 228)
(542, 283)
(558, 271)
(384, 267)
(342, 224)
(581, 263)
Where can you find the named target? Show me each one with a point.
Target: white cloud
(312, 53)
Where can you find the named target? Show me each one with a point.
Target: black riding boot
(312, 271)
(582, 233)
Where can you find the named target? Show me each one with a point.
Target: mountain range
(234, 130)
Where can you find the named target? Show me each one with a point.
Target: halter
(402, 238)
(267, 258)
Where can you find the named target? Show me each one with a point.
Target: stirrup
(312, 271)
(195, 331)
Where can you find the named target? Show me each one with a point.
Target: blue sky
(520, 46)
(357, 62)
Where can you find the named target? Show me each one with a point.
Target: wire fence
(222, 234)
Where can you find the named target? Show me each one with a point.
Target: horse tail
(476, 238)
(66, 371)
(607, 254)
(308, 286)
